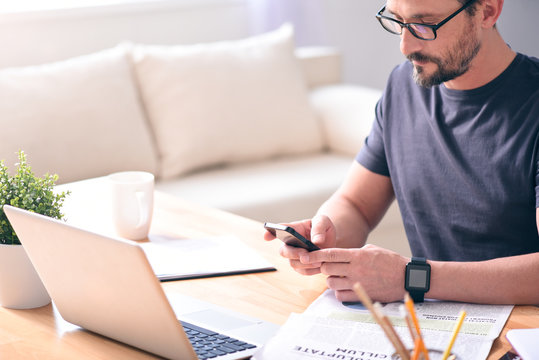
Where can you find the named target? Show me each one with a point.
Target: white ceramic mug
(132, 203)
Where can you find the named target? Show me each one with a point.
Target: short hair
(470, 10)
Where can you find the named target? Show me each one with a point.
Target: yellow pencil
(409, 324)
(417, 349)
(409, 304)
(456, 330)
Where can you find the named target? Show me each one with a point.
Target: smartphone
(290, 236)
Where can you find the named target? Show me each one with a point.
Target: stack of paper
(329, 329)
(174, 259)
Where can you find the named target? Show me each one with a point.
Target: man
(456, 142)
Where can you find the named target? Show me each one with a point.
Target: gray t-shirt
(464, 164)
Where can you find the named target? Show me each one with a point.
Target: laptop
(524, 342)
(106, 285)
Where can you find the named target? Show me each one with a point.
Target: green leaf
(27, 191)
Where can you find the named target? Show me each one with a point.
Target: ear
(490, 12)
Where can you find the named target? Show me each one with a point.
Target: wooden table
(42, 333)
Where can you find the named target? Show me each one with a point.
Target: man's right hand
(320, 230)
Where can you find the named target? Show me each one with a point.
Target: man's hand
(320, 230)
(380, 271)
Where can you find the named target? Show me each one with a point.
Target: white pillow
(346, 113)
(77, 118)
(226, 102)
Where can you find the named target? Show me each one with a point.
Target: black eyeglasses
(420, 31)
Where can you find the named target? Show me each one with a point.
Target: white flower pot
(20, 285)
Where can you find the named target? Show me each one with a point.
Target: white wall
(33, 38)
(519, 25)
(369, 51)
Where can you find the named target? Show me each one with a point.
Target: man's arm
(345, 219)
(357, 206)
(510, 280)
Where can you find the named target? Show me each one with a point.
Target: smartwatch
(417, 278)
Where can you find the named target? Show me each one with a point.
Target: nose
(409, 43)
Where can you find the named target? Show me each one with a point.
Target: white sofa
(254, 126)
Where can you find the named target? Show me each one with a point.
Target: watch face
(417, 277)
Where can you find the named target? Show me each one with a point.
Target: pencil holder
(434, 354)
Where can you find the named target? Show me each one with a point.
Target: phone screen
(290, 236)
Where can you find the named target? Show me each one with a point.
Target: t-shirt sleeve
(372, 154)
(537, 176)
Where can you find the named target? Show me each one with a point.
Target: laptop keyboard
(209, 344)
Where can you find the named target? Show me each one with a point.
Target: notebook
(82, 271)
(176, 259)
(525, 342)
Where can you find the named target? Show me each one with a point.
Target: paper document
(174, 259)
(330, 330)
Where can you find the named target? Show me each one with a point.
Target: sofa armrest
(320, 65)
(346, 113)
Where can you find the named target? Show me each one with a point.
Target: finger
(346, 295)
(338, 283)
(308, 272)
(268, 236)
(321, 228)
(291, 252)
(335, 269)
(296, 264)
(326, 255)
(303, 227)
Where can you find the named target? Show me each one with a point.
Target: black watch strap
(417, 278)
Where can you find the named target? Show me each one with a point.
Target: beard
(454, 64)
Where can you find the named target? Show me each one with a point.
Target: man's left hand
(380, 271)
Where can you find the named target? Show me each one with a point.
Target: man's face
(447, 57)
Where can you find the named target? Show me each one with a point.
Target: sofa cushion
(275, 190)
(346, 113)
(226, 102)
(321, 65)
(77, 118)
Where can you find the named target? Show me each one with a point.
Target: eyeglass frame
(433, 27)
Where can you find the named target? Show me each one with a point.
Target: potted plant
(20, 286)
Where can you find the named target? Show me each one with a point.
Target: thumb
(322, 231)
